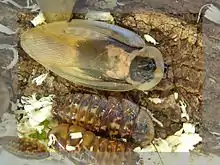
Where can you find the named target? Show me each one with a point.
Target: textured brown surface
(181, 45)
(105, 151)
(110, 116)
(180, 41)
(191, 64)
(181, 48)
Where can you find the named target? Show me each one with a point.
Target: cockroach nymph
(76, 142)
(99, 114)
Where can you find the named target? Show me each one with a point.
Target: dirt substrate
(180, 41)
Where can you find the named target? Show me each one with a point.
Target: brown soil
(180, 41)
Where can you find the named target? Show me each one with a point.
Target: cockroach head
(146, 68)
(142, 69)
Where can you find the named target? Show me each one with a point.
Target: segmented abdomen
(85, 146)
(96, 113)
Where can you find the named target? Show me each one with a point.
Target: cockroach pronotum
(76, 142)
(99, 114)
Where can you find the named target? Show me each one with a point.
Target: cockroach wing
(89, 54)
(113, 31)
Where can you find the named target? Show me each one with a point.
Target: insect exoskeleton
(76, 142)
(110, 115)
(95, 54)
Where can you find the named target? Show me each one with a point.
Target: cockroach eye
(142, 69)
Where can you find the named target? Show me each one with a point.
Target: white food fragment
(183, 107)
(76, 135)
(179, 133)
(35, 112)
(150, 39)
(124, 140)
(156, 100)
(35, 118)
(6, 30)
(39, 19)
(183, 140)
(70, 148)
(99, 15)
(161, 146)
(52, 140)
(91, 148)
(15, 54)
(176, 96)
(26, 129)
(31, 103)
(187, 142)
(39, 80)
(39, 129)
(189, 128)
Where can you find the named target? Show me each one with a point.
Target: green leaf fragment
(45, 123)
(37, 135)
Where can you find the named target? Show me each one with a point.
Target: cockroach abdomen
(130, 112)
(143, 132)
(114, 113)
(83, 108)
(89, 148)
(113, 117)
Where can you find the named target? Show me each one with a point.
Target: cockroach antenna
(161, 160)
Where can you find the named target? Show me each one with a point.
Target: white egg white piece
(76, 135)
(150, 39)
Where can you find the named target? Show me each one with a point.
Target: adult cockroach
(95, 54)
(83, 146)
(114, 117)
